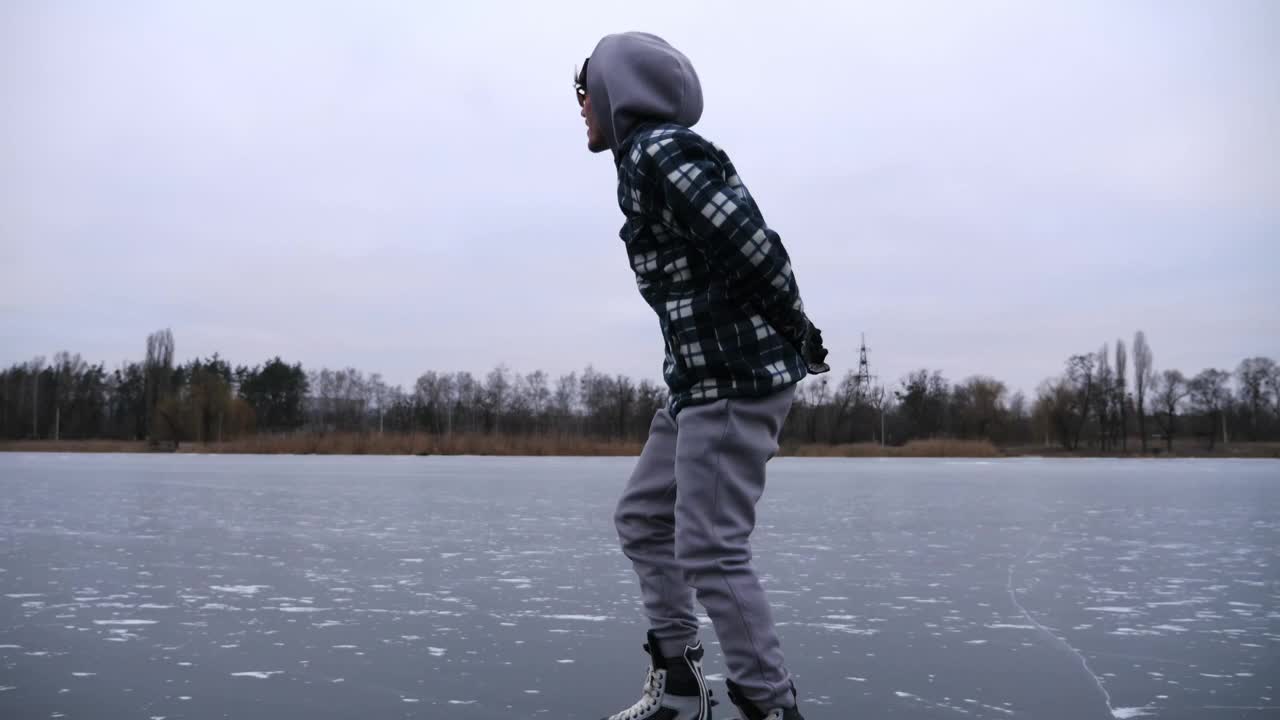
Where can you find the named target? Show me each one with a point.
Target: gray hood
(634, 78)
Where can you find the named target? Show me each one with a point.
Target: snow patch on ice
(1124, 713)
(246, 590)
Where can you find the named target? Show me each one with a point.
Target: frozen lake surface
(316, 587)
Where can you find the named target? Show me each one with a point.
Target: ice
(975, 591)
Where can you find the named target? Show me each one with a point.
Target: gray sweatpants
(685, 520)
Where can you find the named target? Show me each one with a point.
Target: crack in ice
(1117, 713)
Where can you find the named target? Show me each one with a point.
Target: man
(737, 342)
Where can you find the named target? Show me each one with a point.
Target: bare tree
(447, 392)
(1104, 382)
(848, 396)
(877, 397)
(1170, 389)
(426, 400)
(37, 367)
(65, 369)
(159, 374)
(1273, 384)
(1209, 396)
(818, 394)
(1080, 377)
(497, 396)
(977, 406)
(1018, 428)
(1056, 410)
(539, 397)
(565, 401)
(381, 394)
(1143, 378)
(1121, 393)
(650, 397)
(1254, 375)
(624, 394)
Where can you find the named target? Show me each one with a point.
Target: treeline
(1097, 402)
(1101, 401)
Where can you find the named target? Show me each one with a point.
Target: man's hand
(813, 352)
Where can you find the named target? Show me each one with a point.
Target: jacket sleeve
(697, 199)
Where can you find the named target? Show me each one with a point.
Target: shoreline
(540, 446)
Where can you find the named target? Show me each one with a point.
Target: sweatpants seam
(657, 569)
(663, 580)
(728, 420)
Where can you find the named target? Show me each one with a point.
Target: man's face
(596, 141)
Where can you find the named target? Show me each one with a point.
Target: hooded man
(737, 343)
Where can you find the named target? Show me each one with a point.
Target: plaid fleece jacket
(706, 262)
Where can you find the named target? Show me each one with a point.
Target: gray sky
(979, 187)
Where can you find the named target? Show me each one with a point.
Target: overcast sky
(979, 187)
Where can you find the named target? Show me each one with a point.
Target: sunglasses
(580, 83)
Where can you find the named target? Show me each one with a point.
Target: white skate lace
(652, 695)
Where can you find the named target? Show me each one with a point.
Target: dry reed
(418, 444)
(74, 446)
(938, 447)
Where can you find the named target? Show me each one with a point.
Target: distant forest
(1108, 400)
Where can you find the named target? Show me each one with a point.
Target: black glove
(813, 353)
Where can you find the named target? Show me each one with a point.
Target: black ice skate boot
(749, 711)
(674, 688)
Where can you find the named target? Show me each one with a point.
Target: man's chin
(597, 146)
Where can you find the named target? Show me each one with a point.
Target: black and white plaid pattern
(706, 262)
